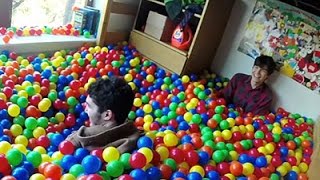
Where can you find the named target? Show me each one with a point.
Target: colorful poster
(291, 36)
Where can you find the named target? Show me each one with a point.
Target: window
(52, 13)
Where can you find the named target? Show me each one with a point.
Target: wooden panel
(161, 54)
(110, 6)
(115, 37)
(104, 21)
(121, 8)
(208, 35)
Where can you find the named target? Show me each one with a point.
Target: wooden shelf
(162, 53)
(207, 31)
(166, 44)
(162, 4)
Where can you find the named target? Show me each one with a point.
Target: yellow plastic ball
(37, 176)
(303, 167)
(46, 158)
(146, 126)
(263, 150)
(24, 62)
(110, 154)
(60, 116)
(37, 88)
(249, 128)
(147, 108)
(76, 56)
(282, 170)
(67, 176)
(89, 57)
(163, 152)
(170, 140)
(38, 131)
(185, 79)
(276, 130)
(242, 129)
(137, 102)
(21, 140)
(40, 150)
(234, 155)
(248, 169)
(295, 169)
(160, 134)
(3, 96)
(270, 148)
(217, 133)
(4, 147)
(151, 134)
(14, 110)
(20, 147)
(226, 134)
(148, 118)
(16, 130)
(132, 85)
(188, 116)
(128, 77)
(150, 78)
(104, 49)
(147, 153)
(198, 169)
(57, 156)
(230, 176)
(231, 122)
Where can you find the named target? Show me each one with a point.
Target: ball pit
(189, 132)
(8, 33)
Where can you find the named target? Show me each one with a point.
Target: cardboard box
(159, 26)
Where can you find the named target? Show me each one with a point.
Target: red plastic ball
(137, 160)
(66, 147)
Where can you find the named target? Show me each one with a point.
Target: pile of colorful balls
(7, 34)
(189, 133)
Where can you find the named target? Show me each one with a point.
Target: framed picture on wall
(288, 34)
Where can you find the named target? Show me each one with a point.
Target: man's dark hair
(112, 94)
(265, 61)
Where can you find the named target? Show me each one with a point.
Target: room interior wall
(288, 94)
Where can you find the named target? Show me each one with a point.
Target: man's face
(95, 117)
(259, 74)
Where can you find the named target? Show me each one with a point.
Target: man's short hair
(112, 94)
(265, 61)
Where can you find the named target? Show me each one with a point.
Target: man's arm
(73, 138)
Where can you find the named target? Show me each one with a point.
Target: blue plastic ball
(153, 173)
(145, 141)
(91, 164)
(139, 174)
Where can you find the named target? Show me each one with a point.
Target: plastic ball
(147, 153)
(13, 110)
(110, 154)
(115, 168)
(91, 164)
(236, 168)
(170, 140)
(52, 171)
(14, 157)
(37, 176)
(138, 160)
(66, 147)
(35, 158)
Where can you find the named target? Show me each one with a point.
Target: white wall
(288, 93)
